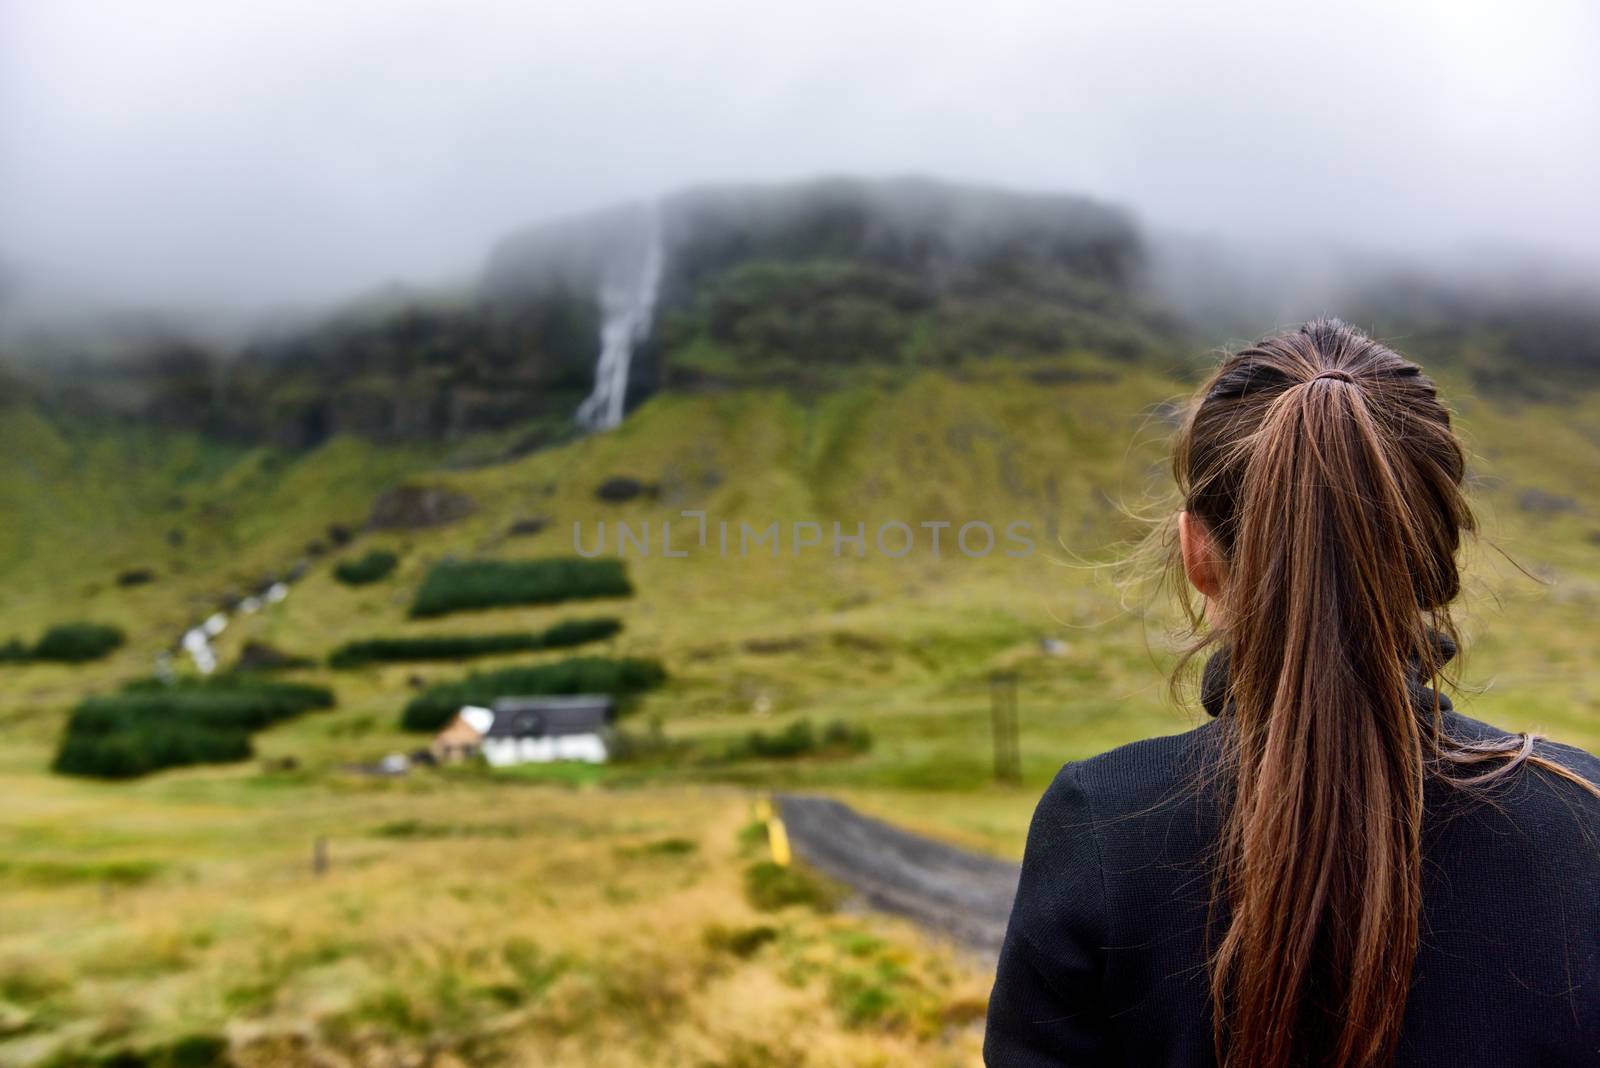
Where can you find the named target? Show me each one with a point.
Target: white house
(541, 730)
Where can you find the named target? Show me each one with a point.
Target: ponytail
(1324, 468)
(1323, 847)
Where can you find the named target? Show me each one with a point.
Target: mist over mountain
(573, 322)
(269, 155)
(920, 224)
(796, 279)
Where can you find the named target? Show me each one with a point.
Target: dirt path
(964, 895)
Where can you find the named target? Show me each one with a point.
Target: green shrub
(651, 745)
(197, 1051)
(880, 994)
(376, 564)
(800, 739)
(434, 707)
(536, 970)
(135, 751)
(240, 701)
(214, 710)
(769, 887)
(742, 942)
(668, 847)
(309, 694)
(570, 632)
(441, 647)
(794, 740)
(152, 725)
(190, 1051)
(77, 642)
(462, 585)
(753, 837)
(460, 646)
(840, 736)
(258, 658)
(819, 312)
(66, 873)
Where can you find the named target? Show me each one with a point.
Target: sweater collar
(1214, 680)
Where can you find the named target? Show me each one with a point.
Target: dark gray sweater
(1104, 959)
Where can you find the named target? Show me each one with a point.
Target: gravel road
(964, 895)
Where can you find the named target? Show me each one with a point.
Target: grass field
(597, 917)
(458, 920)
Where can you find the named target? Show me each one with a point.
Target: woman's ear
(1201, 562)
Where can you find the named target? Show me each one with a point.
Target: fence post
(1003, 714)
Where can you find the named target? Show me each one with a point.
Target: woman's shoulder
(1150, 772)
(1581, 762)
(1121, 838)
(1541, 816)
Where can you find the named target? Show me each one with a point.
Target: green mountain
(821, 400)
(838, 352)
(788, 283)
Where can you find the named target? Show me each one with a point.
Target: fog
(243, 158)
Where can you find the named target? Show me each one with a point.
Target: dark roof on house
(548, 717)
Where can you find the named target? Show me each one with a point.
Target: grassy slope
(83, 504)
(904, 646)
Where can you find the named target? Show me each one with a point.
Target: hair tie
(1341, 376)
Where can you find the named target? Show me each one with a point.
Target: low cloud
(248, 157)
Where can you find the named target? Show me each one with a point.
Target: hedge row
(462, 585)
(376, 564)
(246, 706)
(70, 643)
(799, 739)
(434, 707)
(461, 646)
(128, 754)
(837, 738)
(153, 725)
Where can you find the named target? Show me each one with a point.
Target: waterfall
(196, 641)
(627, 295)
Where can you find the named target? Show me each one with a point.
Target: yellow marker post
(778, 839)
(777, 834)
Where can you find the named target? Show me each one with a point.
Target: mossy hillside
(909, 642)
(86, 503)
(372, 566)
(138, 916)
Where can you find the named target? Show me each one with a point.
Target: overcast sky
(290, 150)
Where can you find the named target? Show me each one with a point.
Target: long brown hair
(1324, 469)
